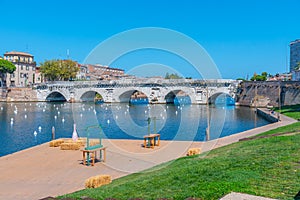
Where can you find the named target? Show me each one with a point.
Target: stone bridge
(156, 90)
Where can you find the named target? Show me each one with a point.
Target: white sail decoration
(74, 135)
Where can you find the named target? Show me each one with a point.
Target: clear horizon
(242, 37)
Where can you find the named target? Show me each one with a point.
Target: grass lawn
(291, 111)
(267, 167)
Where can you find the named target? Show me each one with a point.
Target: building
(82, 73)
(39, 78)
(281, 77)
(25, 69)
(100, 72)
(294, 54)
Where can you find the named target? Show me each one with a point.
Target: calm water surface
(23, 125)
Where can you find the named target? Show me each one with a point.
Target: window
(21, 75)
(22, 67)
(27, 68)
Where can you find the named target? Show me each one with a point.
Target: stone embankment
(268, 115)
(18, 95)
(268, 93)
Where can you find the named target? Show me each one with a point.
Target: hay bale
(193, 151)
(82, 141)
(56, 143)
(79, 141)
(70, 146)
(97, 181)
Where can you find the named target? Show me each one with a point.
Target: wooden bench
(152, 140)
(88, 154)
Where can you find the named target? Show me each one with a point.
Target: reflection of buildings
(25, 69)
(100, 72)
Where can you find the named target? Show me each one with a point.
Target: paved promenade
(44, 171)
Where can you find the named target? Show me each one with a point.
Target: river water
(23, 125)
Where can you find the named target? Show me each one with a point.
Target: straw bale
(70, 146)
(56, 143)
(193, 151)
(68, 141)
(97, 181)
(81, 142)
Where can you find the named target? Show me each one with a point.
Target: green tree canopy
(172, 76)
(59, 70)
(5, 67)
(262, 77)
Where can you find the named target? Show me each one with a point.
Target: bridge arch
(134, 96)
(221, 98)
(56, 96)
(177, 97)
(91, 96)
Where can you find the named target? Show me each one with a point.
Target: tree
(59, 70)
(50, 70)
(262, 77)
(265, 74)
(172, 76)
(69, 70)
(5, 67)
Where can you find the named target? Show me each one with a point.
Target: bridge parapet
(139, 83)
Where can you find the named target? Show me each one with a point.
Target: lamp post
(279, 100)
(208, 115)
(149, 121)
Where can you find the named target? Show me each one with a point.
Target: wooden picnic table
(92, 154)
(152, 140)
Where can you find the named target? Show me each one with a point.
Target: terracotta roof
(17, 53)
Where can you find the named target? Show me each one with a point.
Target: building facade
(25, 69)
(294, 54)
(100, 72)
(39, 78)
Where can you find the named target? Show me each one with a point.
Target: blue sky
(242, 37)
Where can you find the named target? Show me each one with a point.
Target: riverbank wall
(267, 114)
(18, 95)
(268, 93)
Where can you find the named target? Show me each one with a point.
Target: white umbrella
(74, 135)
